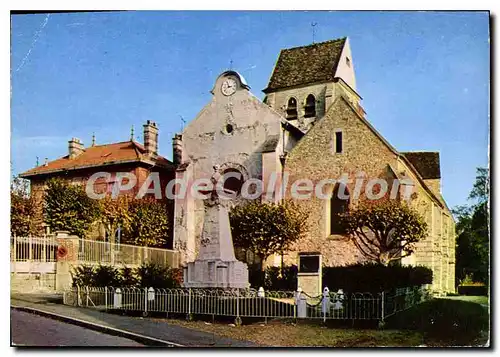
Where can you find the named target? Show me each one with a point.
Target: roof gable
(306, 64)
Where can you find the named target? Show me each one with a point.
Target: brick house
(310, 125)
(82, 162)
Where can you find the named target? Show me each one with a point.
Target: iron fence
(44, 249)
(242, 303)
(33, 249)
(92, 251)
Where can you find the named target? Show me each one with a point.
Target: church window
(338, 142)
(291, 109)
(348, 62)
(310, 107)
(337, 207)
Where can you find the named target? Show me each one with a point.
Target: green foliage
(267, 228)
(473, 289)
(472, 249)
(67, 207)
(144, 222)
(146, 276)
(481, 189)
(114, 212)
(152, 275)
(384, 231)
(83, 275)
(128, 278)
(105, 275)
(149, 223)
(372, 277)
(25, 218)
(443, 321)
(272, 278)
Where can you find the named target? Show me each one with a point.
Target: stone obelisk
(216, 265)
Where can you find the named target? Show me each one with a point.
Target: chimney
(75, 147)
(151, 138)
(177, 147)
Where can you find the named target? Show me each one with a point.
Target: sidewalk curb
(146, 340)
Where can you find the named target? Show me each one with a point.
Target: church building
(309, 125)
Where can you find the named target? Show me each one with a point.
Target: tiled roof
(271, 143)
(306, 64)
(426, 163)
(100, 155)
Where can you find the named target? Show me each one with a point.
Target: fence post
(383, 308)
(86, 296)
(44, 250)
(30, 249)
(15, 252)
(106, 298)
(145, 301)
(78, 295)
(325, 302)
(237, 320)
(112, 251)
(188, 317)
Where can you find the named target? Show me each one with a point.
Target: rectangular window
(338, 142)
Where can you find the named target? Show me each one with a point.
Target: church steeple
(306, 80)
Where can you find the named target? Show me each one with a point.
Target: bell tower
(306, 80)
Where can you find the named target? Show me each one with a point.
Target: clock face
(228, 86)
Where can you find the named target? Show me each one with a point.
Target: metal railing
(33, 249)
(92, 251)
(44, 249)
(250, 302)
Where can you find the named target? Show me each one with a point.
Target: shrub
(146, 276)
(152, 275)
(374, 278)
(106, 275)
(270, 280)
(473, 290)
(127, 277)
(83, 275)
(444, 321)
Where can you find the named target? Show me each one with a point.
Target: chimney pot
(177, 148)
(151, 138)
(75, 148)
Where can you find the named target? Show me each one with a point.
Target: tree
(267, 228)
(114, 213)
(385, 230)
(67, 207)
(472, 249)
(25, 217)
(149, 223)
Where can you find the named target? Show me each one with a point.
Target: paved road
(33, 330)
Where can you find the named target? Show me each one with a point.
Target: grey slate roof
(426, 163)
(306, 64)
(270, 143)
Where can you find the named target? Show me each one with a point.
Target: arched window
(291, 109)
(233, 181)
(337, 207)
(310, 107)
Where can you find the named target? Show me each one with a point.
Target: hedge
(144, 276)
(473, 290)
(375, 277)
(368, 277)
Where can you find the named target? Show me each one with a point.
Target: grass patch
(445, 322)
(280, 334)
(483, 300)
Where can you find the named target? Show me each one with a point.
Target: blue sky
(423, 76)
